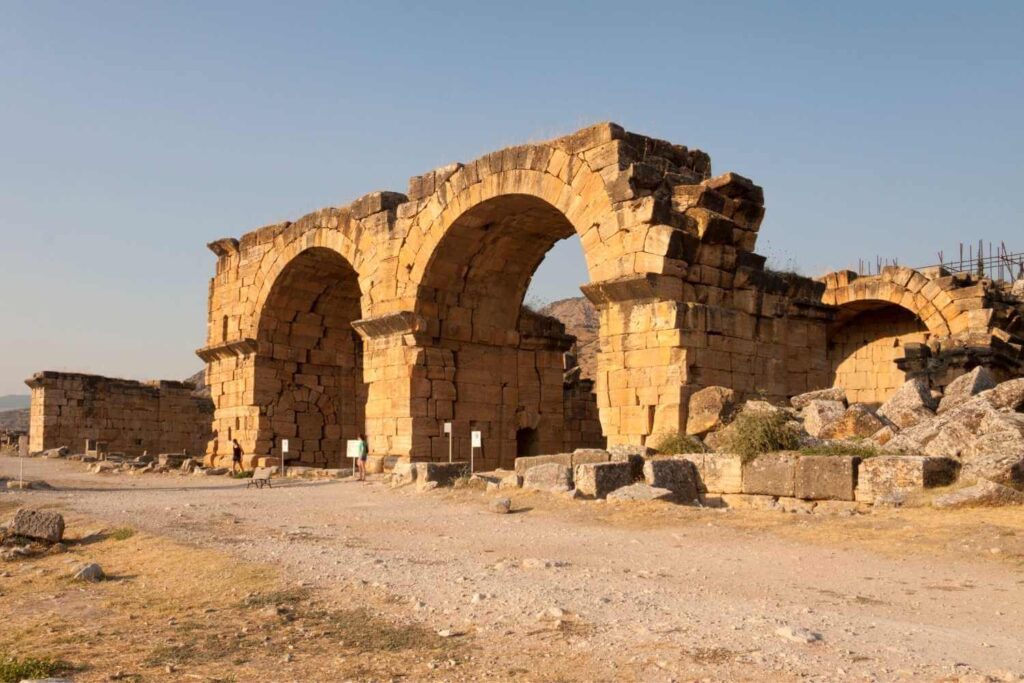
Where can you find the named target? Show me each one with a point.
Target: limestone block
(442, 473)
(639, 492)
(911, 404)
(42, 524)
(859, 421)
(709, 409)
(832, 394)
(965, 386)
(820, 416)
(675, 474)
(600, 479)
(723, 473)
(523, 464)
(546, 476)
(984, 493)
(582, 456)
(826, 477)
(770, 474)
(899, 474)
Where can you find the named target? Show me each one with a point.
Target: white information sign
(284, 445)
(476, 441)
(447, 427)
(352, 448)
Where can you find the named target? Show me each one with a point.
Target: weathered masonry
(130, 417)
(399, 312)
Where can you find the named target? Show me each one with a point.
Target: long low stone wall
(130, 417)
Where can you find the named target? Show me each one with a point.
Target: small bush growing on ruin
(13, 670)
(862, 450)
(755, 433)
(680, 442)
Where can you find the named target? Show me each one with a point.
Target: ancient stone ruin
(398, 313)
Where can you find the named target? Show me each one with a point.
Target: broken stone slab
(709, 409)
(831, 394)
(632, 454)
(911, 404)
(640, 492)
(546, 476)
(826, 477)
(403, 474)
(771, 474)
(888, 475)
(218, 471)
(819, 416)
(1007, 395)
(998, 453)
(677, 475)
(582, 456)
(91, 572)
(599, 479)
(53, 453)
(510, 481)
(965, 386)
(984, 493)
(44, 525)
(723, 473)
(524, 463)
(441, 473)
(697, 459)
(859, 421)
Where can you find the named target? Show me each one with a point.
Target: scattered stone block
(640, 492)
(599, 479)
(826, 477)
(583, 456)
(374, 464)
(510, 481)
(984, 493)
(524, 463)
(91, 572)
(403, 474)
(723, 473)
(546, 476)
(859, 421)
(964, 387)
(832, 394)
(678, 475)
(886, 475)
(911, 404)
(41, 524)
(441, 473)
(771, 474)
(819, 416)
(709, 409)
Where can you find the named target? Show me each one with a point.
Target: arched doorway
(864, 344)
(308, 380)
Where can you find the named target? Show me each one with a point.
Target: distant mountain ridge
(15, 401)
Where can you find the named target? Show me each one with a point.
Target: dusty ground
(365, 577)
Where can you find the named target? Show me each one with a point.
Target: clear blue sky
(134, 133)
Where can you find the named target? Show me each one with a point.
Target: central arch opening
(510, 363)
(309, 370)
(867, 339)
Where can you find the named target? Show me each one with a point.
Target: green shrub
(862, 450)
(13, 670)
(680, 442)
(244, 474)
(122, 534)
(754, 433)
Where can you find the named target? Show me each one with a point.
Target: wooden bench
(261, 477)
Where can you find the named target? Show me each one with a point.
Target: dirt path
(565, 590)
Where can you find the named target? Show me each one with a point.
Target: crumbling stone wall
(131, 417)
(929, 324)
(582, 422)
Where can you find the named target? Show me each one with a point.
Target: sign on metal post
(448, 431)
(352, 452)
(475, 442)
(284, 453)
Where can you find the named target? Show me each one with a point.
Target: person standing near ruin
(236, 456)
(361, 460)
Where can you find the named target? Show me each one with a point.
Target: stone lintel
(237, 347)
(634, 288)
(390, 324)
(223, 247)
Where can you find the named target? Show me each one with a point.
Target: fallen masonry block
(41, 524)
(697, 460)
(723, 473)
(582, 456)
(547, 476)
(600, 479)
(826, 477)
(525, 463)
(886, 475)
(442, 473)
(981, 494)
(640, 492)
(675, 474)
(770, 474)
